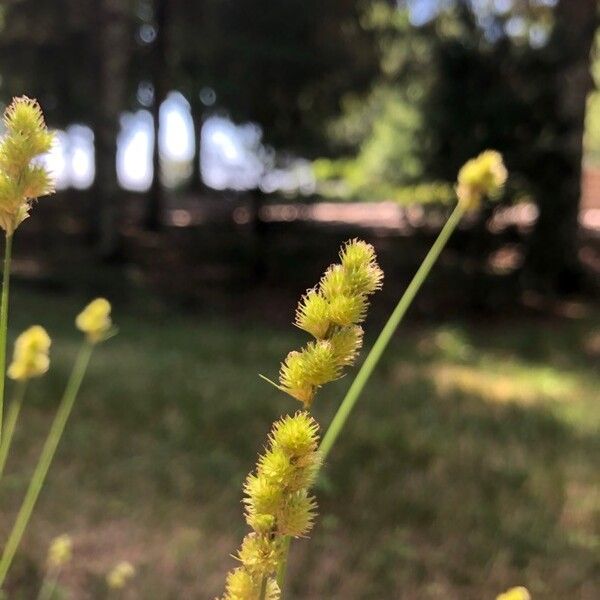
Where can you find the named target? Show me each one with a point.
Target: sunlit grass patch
(453, 492)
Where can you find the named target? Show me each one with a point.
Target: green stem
(48, 451)
(367, 368)
(281, 570)
(353, 393)
(49, 584)
(11, 422)
(4, 322)
(263, 588)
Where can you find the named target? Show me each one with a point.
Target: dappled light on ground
(468, 465)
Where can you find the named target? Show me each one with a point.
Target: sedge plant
(59, 555)
(96, 324)
(278, 503)
(22, 180)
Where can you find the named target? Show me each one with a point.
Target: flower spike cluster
(30, 358)
(21, 181)
(94, 320)
(332, 313)
(516, 593)
(59, 552)
(120, 575)
(277, 501)
(484, 175)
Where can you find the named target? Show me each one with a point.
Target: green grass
(470, 464)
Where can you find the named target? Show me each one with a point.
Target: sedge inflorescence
(94, 320)
(30, 358)
(332, 313)
(60, 552)
(484, 175)
(21, 180)
(277, 501)
(120, 575)
(516, 593)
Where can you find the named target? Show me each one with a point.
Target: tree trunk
(552, 262)
(196, 184)
(112, 55)
(160, 67)
(259, 236)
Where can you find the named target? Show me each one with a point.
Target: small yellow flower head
(120, 575)
(30, 357)
(277, 496)
(346, 343)
(292, 378)
(479, 177)
(516, 593)
(20, 181)
(259, 554)
(298, 436)
(313, 314)
(60, 552)
(302, 372)
(242, 585)
(331, 312)
(95, 320)
(262, 495)
(362, 273)
(263, 524)
(347, 310)
(296, 517)
(333, 282)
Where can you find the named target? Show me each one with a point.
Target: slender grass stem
(4, 321)
(263, 588)
(12, 416)
(368, 366)
(46, 456)
(49, 585)
(287, 540)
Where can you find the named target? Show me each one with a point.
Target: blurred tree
(160, 77)
(113, 46)
(476, 75)
(553, 261)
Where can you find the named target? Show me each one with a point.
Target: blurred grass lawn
(471, 463)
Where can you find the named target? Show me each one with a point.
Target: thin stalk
(49, 584)
(367, 368)
(46, 456)
(11, 421)
(4, 321)
(263, 588)
(281, 570)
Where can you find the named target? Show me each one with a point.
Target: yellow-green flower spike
(260, 554)
(362, 273)
(242, 585)
(120, 575)
(30, 358)
(21, 181)
(516, 593)
(331, 312)
(347, 310)
(60, 552)
(479, 177)
(263, 497)
(346, 344)
(313, 314)
(298, 436)
(277, 501)
(298, 515)
(94, 320)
